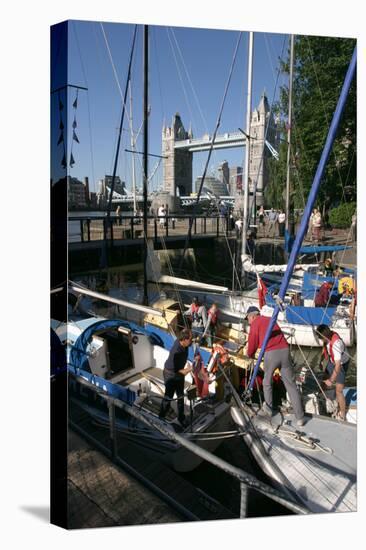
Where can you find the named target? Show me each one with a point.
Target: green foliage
(320, 67)
(342, 215)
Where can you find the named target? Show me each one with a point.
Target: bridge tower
(258, 170)
(177, 164)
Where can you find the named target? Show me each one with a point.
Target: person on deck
(309, 231)
(211, 325)
(197, 313)
(261, 218)
(276, 356)
(328, 267)
(161, 215)
(323, 296)
(281, 223)
(175, 368)
(316, 225)
(118, 215)
(334, 351)
(354, 227)
(238, 227)
(272, 219)
(201, 377)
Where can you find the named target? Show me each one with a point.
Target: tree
(320, 67)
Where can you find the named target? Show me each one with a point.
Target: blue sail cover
(321, 248)
(313, 281)
(301, 315)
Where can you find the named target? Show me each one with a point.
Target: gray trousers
(280, 358)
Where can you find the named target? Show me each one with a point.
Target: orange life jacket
(200, 376)
(223, 353)
(330, 355)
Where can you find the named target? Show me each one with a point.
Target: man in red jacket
(322, 297)
(276, 356)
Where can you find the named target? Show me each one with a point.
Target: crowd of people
(269, 223)
(276, 358)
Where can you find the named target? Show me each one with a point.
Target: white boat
(296, 322)
(316, 464)
(126, 361)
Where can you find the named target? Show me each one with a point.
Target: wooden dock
(134, 490)
(101, 494)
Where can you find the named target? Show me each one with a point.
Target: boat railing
(247, 481)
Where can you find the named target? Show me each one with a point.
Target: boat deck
(317, 461)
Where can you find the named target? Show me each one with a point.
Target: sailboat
(315, 464)
(126, 360)
(296, 321)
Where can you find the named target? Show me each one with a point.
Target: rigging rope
(190, 80)
(265, 137)
(179, 73)
(211, 147)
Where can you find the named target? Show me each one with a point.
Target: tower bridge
(184, 201)
(224, 141)
(178, 147)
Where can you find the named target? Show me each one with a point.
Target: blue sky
(187, 74)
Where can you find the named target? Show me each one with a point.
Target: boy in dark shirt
(175, 369)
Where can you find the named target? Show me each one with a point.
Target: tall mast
(133, 153)
(104, 259)
(120, 129)
(145, 152)
(289, 128)
(247, 129)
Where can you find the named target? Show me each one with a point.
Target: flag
(61, 125)
(75, 104)
(63, 162)
(74, 124)
(72, 161)
(262, 291)
(75, 137)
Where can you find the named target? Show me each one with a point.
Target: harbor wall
(203, 255)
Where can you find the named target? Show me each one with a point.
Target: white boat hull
(321, 477)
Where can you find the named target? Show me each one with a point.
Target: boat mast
(332, 132)
(145, 152)
(247, 129)
(120, 130)
(289, 128)
(133, 154)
